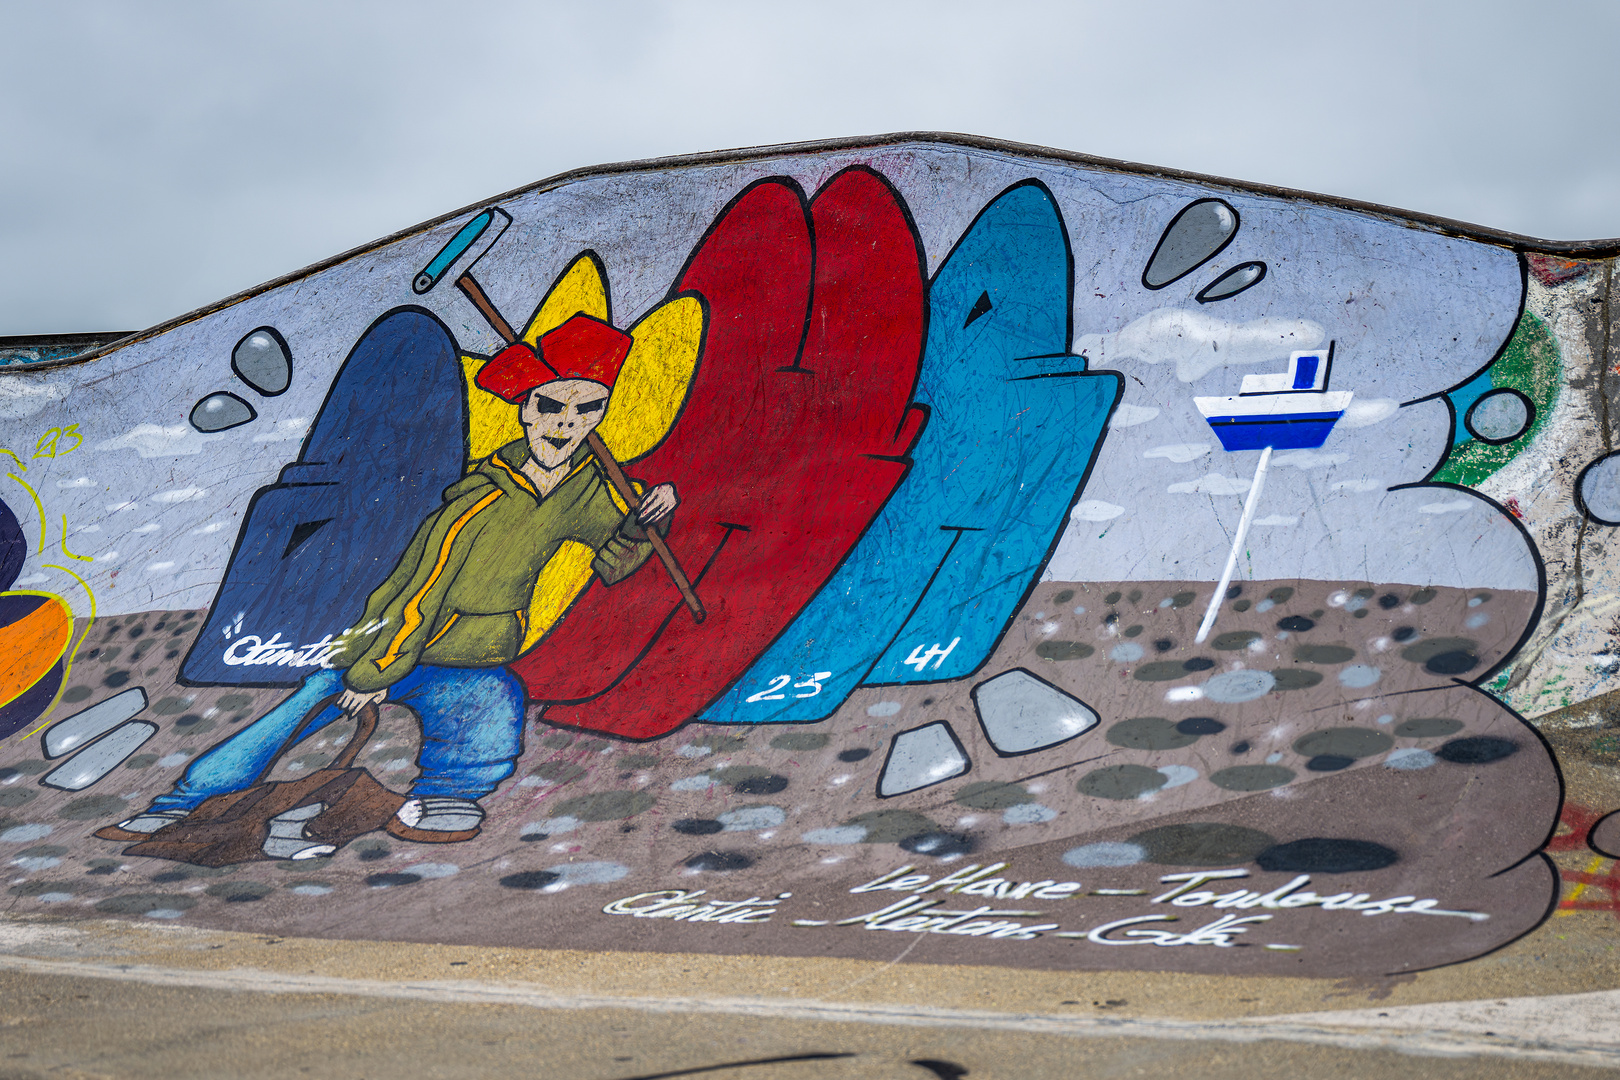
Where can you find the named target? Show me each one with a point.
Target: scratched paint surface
(959, 443)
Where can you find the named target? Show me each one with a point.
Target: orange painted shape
(32, 645)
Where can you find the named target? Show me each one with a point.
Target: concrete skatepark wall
(1065, 558)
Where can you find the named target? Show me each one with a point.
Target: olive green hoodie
(460, 593)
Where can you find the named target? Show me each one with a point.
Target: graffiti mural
(775, 553)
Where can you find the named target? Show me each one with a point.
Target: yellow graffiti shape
(580, 289)
(491, 422)
(561, 582)
(656, 376)
(647, 399)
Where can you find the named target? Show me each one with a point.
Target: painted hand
(352, 701)
(658, 504)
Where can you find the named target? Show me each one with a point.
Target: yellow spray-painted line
(39, 507)
(1575, 894)
(64, 547)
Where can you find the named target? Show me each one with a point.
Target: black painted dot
(697, 826)
(116, 679)
(170, 877)
(136, 631)
(1234, 592)
(171, 654)
(1198, 663)
(940, 845)
(534, 837)
(760, 785)
(530, 879)
(1241, 747)
(389, 881)
(1112, 598)
(373, 854)
(1329, 763)
(188, 720)
(1389, 600)
(1063, 597)
(240, 892)
(1476, 750)
(1325, 855)
(1452, 663)
(101, 871)
(1404, 633)
(1294, 623)
(927, 701)
(1132, 631)
(1200, 725)
(719, 860)
(857, 754)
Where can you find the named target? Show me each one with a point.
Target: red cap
(581, 348)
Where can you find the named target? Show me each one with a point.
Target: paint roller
(476, 238)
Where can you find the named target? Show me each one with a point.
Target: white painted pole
(1237, 545)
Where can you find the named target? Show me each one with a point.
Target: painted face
(558, 415)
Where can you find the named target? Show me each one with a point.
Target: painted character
(436, 636)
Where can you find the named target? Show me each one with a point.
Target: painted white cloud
(208, 530)
(1095, 510)
(1211, 484)
(1366, 483)
(1180, 453)
(1451, 506)
(1131, 415)
(1198, 343)
(285, 430)
(77, 482)
(20, 398)
(1364, 412)
(1276, 519)
(1307, 459)
(150, 441)
(179, 495)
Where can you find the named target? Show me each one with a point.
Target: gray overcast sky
(157, 156)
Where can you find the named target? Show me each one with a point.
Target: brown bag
(233, 827)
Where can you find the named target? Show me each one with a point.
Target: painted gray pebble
(921, 757)
(1020, 713)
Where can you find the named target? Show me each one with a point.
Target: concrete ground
(113, 999)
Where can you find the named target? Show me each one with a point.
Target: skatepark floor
(115, 999)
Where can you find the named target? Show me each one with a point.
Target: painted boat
(1292, 410)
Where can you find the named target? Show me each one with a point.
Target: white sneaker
(288, 840)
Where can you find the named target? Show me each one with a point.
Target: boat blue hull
(1284, 431)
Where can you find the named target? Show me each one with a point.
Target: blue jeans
(472, 734)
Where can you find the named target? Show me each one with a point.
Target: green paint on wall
(1531, 365)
